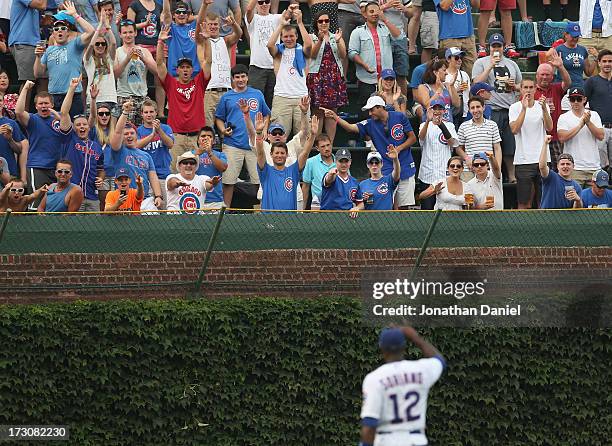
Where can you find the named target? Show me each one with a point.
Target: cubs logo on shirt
(151, 29)
(192, 34)
(383, 188)
(288, 184)
(442, 139)
(55, 125)
(397, 132)
(353, 194)
(460, 6)
(189, 203)
(253, 104)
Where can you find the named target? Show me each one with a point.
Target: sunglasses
(455, 166)
(182, 11)
(457, 57)
(60, 28)
(323, 21)
(374, 162)
(277, 133)
(478, 164)
(100, 44)
(104, 113)
(189, 163)
(389, 79)
(575, 98)
(263, 2)
(18, 190)
(63, 171)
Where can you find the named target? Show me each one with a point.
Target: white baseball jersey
(395, 394)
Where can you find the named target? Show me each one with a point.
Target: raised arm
(236, 33)
(284, 20)
(428, 350)
(166, 15)
(397, 169)
(162, 70)
(307, 146)
(22, 115)
(543, 161)
(341, 44)
(98, 32)
(93, 106)
(250, 10)
(204, 50)
(65, 121)
(201, 19)
(307, 40)
(244, 108)
(116, 139)
(557, 62)
(88, 29)
(304, 124)
(394, 30)
(260, 124)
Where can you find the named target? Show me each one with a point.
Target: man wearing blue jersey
(44, 138)
(339, 188)
(183, 34)
(11, 143)
(388, 129)
(280, 183)
(85, 154)
(212, 163)
(376, 193)
(138, 162)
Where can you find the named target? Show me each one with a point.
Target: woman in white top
(450, 192)
(461, 80)
(98, 62)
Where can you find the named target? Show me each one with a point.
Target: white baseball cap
(373, 101)
(374, 155)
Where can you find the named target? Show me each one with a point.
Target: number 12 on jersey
(410, 400)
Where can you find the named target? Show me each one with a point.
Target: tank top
(104, 77)
(289, 83)
(133, 80)
(56, 201)
(220, 70)
(148, 34)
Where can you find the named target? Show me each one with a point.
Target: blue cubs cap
(480, 156)
(496, 39)
(392, 339)
(276, 126)
(387, 73)
(601, 178)
(343, 154)
(122, 172)
(480, 86)
(573, 29)
(184, 60)
(63, 17)
(437, 101)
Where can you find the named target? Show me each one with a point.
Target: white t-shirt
(104, 79)
(5, 9)
(490, 186)
(220, 68)
(289, 83)
(462, 76)
(187, 198)
(447, 201)
(260, 29)
(396, 395)
(435, 152)
(530, 138)
(583, 146)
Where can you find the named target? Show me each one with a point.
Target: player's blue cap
(122, 172)
(496, 39)
(437, 101)
(573, 29)
(478, 86)
(387, 73)
(63, 17)
(392, 339)
(276, 126)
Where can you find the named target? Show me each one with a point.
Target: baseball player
(395, 394)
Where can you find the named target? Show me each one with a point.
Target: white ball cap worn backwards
(188, 156)
(373, 101)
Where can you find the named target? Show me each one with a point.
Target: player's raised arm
(428, 350)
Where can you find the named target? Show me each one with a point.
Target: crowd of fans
(84, 135)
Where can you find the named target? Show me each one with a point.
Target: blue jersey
(136, 162)
(573, 61)
(87, 158)
(553, 191)
(109, 170)
(394, 132)
(208, 168)
(456, 22)
(279, 186)
(5, 149)
(340, 195)
(157, 149)
(417, 75)
(229, 112)
(589, 200)
(64, 63)
(381, 190)
(182, 44)
(45, 142)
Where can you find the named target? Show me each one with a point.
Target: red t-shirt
(553, 96)
(374, 32)
(186, 103)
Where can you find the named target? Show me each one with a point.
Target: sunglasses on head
(575, 98)
(101, 113)
(100, 44)
(63, 171)
(479, 164)
(127, 22)
(323, 21)
(18, 190)
(189, 163)
(263, 2)
(60, 28)
(455, 166)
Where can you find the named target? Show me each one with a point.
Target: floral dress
(327, 88)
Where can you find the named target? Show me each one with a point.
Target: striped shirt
(435, 152)
(478, 138)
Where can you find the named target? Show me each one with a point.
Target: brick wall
(47, 277)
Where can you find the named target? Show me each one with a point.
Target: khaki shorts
(404, 193)
(583, 177)
(430, 30)
(235, 159)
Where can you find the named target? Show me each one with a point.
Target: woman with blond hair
(389, 90)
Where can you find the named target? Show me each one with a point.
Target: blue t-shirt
(207, 167)
(137, 162)
(109, 170)
(589, 200)
(229, 111)
(598, 17)
(381, 190)
(5, 149)
(553, 191)
(63, 63)
(417, 75)
(25, 23)
(340, 195)
(157, 149)
(45, 142)
(279, 186)
(456, 22)
(87, 158)
(313, 174)
(573, 61)
(395, 132)
(182, 44)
